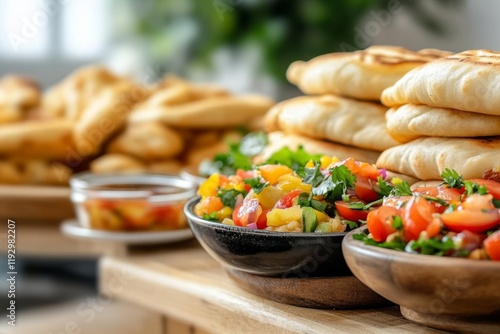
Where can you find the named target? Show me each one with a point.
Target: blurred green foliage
(184, 32)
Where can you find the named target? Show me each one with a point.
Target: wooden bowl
(270, 253)
(454, 294)
(337, 292)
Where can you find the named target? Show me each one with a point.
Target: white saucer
(72, 228)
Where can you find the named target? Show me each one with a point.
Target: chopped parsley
(256, 184)
(334, 187)
(452, 178)
(306, 199)
(228, 196)
(313, 176)
(296, 160)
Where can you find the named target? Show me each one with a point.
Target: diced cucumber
(324, 228)
(309, 219)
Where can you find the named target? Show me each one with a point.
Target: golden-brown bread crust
(73, 95)
(468, 81)
(18, 96)
(33, 171)
(43, 139)
(426, 158)
(329, 117)
(411, 121)
(361, 74)
(195, 155)
(148, 141)
(105, 116)
(117, 163)
(208, 113)
(278, 140)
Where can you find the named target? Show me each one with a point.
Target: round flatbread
(427, 158)
(360, 74)
(411, 121)
(278, 140)
(345, 121)
(468, 81)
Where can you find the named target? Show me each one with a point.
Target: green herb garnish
(452, 178)
(256, 184)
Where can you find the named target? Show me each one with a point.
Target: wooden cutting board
(35, 203)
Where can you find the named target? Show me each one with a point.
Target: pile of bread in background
(410, 112)
(100, 121)
(444, 109)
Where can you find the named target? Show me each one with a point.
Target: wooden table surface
(183, 282)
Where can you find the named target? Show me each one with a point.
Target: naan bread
(149, 141)
(411, 121)
(207, 113)
(426, 158)
(278, 140)
(468, 81)
(345, 121)
(360, 74)
(44, 139)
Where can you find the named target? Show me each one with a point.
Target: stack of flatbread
(344, 106)
(98, 120)
(447, 112)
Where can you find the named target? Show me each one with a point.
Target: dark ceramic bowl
(460, 295)
(269, 253)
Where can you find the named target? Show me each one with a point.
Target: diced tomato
(434, 228)
(213, 203)
(348, 213)
(492, 246)
(450, 194)
(417, 217)
(471, 220)
(248, 212)
(364, 190)
(350, 163)
(492, 186)
(429, 191)
(379, 222)
(368, 170)
(287, 200)
(396, 201)
(262, 221)
(245, 174)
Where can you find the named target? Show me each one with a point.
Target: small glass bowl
(130, 202)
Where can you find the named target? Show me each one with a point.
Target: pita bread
(426, 158)
(47, 139)
(195, 155)
(345, 121)
(411, 121)
(468, 81)
(148, 141)
(278, 140)
(360, 74)
(207, 113)
(105, 116)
